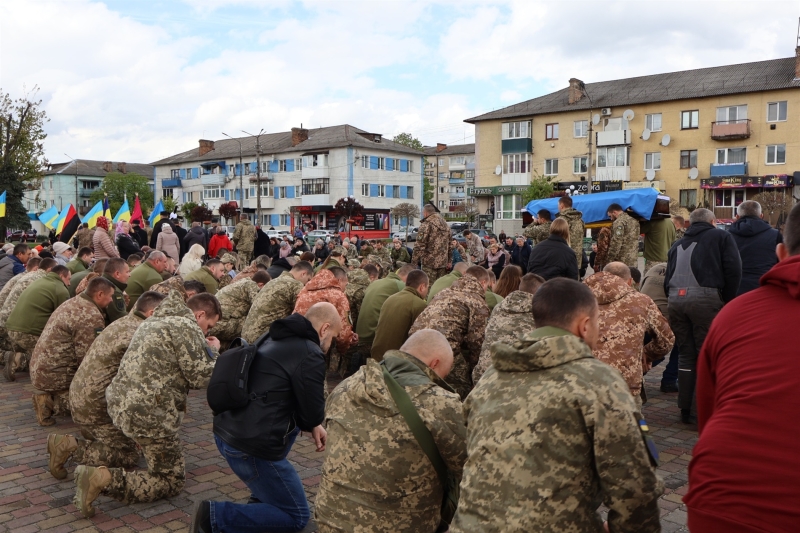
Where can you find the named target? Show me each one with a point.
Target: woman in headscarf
(125, 243)
(169, 243)
(193, 260)
(103, 246)
(286, 250)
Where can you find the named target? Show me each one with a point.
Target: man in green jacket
(82, 261)
(208, 275)
(117, 272)
(659, 234)
(145, 276)
(30, 315)
(398, 314)
(445, 281)
(377, 293)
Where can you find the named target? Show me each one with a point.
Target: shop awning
(769, 181)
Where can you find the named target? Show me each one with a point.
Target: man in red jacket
(744, 471)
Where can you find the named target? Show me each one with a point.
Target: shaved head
(620, 270)
(432, 348)
(461, 267)
(325, 320)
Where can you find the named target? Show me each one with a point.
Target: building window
(470, 174)
(441, 204)
(688, 197)
(441, 190)
(551, 132)
(282, 165)
(175, 173)
(510, 205)
(652, 161)
(731, 156)
(580, 165)
(517, 130)
(410, 165)
(516, 163)
(166, 193)
(381, 191)
(51, 184)
(614, 156)
(732, 114)
(581, 128)
(396, 191)
(688, 158)
(410, 193)
(728, 198)
(382, 163)
(458, 160)
(298, 164)
(316, 186)
(211, 192)
(690, 120)
(653, 122)
(190, 196)
(364, 161)
(286, 220)
(550, 167)
(442, 175)
(315, 160)
(441, 161)
(365, 189)
(776, 111)
(246, 169)
(776, 154)
(266, 191)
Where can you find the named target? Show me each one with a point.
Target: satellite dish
(693, 173)
(498, 170)
(665, 140)
(651, 174)
(628, 114)
(595, 119)
(646, 134)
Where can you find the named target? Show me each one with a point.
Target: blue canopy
(595, 206)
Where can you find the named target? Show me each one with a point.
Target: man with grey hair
(703, 274)
(757, 242)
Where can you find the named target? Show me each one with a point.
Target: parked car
(458, 227)
(324, 234)
(412, 234)
(278, 234)
(482, 233)
(16, 235)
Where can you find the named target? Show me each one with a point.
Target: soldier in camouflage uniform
(460, 313)
(390, 485)
(433, 249)
(168, 355)
(510, 319)
(329, 286)
(357, 282)
(577, 229)
(624, 245)
(244, 237)
(229, 261)
(603, 242)
(348, 249)
(475, 249)
(236, 301)
(521, 477)
(539, 230)
(9, 300)
(105, 445)
(384, 256)
(70, 331)
(275, 300)
(175, 283)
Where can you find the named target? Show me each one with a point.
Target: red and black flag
(68, 224)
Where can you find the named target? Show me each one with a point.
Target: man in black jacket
(703, 273)
(288, 376)
(757, 242)
(196, 235)
(139, 234)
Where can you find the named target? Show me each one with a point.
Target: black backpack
(228, 387)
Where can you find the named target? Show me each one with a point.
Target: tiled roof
(715, 81)
(456, 149)
(91, 168)
(319, 139)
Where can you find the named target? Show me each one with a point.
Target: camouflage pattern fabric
(624, 246)
(376, 478)
(385, 259)
(105, 445)
(23, 344)
(576, 231)
(519, 478)
(15, 287)
(85, 282)
(433, 248)
(475, 249)
(224, 281)
(10, 285)
(324, 287)
(244, 237)
(434, 273)
(175, 283)
(85, 238)
(236, 301)
(274, 301)
(382, 261)
(351, 252)
(512, 318)
(245, 257)
(168, 355)
(365, 250)
(399, 256)
(358, 281)
(68, 335)
(625, 317)
(603, 241)
(459, 313)
(537, 232)
(164, 478)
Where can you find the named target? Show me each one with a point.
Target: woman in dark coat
(261, 246)
(125, 243)
(273, 248)
(553, 258)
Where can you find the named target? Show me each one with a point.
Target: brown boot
(60, 448)
(10, 369)
(89, 483)
(43, 407)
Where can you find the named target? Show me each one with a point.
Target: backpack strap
(417, 426)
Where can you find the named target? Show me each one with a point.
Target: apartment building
(710, 137)
(303, 173)
(451, 171)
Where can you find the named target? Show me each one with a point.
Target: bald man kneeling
(376, 477)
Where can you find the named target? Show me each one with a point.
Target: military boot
(13, 363)
(89, 483)
(43, 407)
(60, 448)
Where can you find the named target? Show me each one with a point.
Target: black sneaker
(686, 417)
(669, 387)
(201, 521)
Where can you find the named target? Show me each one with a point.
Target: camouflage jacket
(433, 248)
(475, 249)
(553, 433)
(324, 287)
(70, 331)
(235, 300)
(22, 282)
(459, 313)
(603, 241)
(624, 246)
(512, 318)
(625, 317)
(576, 231)
(389, 485)
(275, 300)
(175, 283)
(537, 232)
(400, 256)
(244, 236)
(8, 286)
(358, 281)
(87, 393)
(167, 356)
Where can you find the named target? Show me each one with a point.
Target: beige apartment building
(710, 137)
(451, 172)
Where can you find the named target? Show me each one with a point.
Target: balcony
(730, 129)
(171, 183)
(267, 202)
(614, 137)
(457, 195)
(86, 193)
(729, 169)
(314, 172)
(520, 178)
(517, 146)
(316, 199)
(613, 174)
(212, 179)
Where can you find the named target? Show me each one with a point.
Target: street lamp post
(241, 171)
(258, 173)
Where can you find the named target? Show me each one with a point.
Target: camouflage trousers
(59, 399)
(648, 264)
(228, 329)
(460, 377)
(245, 257)
(434, 274)
(105, 445)
(23, 343)
(353, 359)
(164, 478)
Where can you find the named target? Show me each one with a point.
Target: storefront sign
(655, 184)
(743, 182)
(369, 220)
(496, 191)
(582, 186)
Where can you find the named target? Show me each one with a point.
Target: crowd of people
(486, 387)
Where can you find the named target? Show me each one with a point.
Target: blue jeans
(670, 375)
(275, 484)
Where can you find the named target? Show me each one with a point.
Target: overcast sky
(138, 80)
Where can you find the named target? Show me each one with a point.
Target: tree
(427, 191)
(541, 187)
(408, 211)
(201, 213)
(774, 205)
(22, 157)
(228, 210)
(169, 204)
(117, 185)
(187, 208)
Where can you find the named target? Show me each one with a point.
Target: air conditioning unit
(606, 111)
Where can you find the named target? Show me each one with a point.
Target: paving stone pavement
(31, 500)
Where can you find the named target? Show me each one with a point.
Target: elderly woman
(101, 242)
(321, 252)
(125, 243)
(495, 259)
(286, 250)
(193, 260)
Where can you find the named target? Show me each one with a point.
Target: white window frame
(410, 165)
(579, 163)
(441, 161)
(458, 160)
(580, 128)
(381, 191)
(365, 161)
(443, 175)
(652, 161)
(551, 167)
(724, 114)
(175, 173)
(777, 106)
(516, 205)
(726, 157)
(212, 192)
(604, 151)
(651, 120)
(773, 150)
(515, 163)
(190, 196)
(365, 189)
(516, 130)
